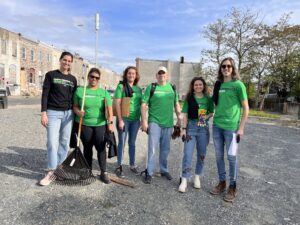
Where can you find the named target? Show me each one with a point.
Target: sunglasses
(93, 77)
(228, 66)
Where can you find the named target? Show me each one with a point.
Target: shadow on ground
(23, 162)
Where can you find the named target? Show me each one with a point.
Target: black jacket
(58, 91)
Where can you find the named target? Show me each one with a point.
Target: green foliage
(266, 55)
(263, 114)
(251, 90)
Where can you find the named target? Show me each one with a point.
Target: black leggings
(94, 136)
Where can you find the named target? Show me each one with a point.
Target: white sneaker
(183, 185)
(197, 183)
(47, 179)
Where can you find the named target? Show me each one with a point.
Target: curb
(283, 122)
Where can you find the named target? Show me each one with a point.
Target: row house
(24, 63)
(9, 60)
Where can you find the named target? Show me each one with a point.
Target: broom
(75, 170)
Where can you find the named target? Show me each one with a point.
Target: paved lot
(269, 182)
(14, 101)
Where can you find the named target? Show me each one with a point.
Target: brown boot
(231, 194)
(219, 188)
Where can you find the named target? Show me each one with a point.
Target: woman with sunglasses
(94, 123)
(230, 97)
(57, 116)
(197, 109)
(128, 125)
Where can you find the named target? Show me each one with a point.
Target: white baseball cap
(162, 68)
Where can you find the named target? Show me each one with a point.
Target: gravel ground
(268, 184)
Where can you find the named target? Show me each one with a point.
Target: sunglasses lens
(93, 77)
(224, 66)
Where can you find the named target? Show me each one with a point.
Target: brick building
(9, 60)
(24, 63)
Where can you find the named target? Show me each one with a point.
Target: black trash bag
(111, 144)
(74, 133)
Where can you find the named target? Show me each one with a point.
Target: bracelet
(183, 128)
(110, 122)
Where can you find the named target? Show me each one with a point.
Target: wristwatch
(110, 122)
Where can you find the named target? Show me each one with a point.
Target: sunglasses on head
(228, 66)
(94, 77)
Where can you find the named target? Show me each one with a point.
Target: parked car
(3, 98)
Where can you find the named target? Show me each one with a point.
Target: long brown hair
(191, 87)
(137, 78)
(235, 73)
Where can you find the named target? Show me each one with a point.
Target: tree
(243, 31)
(285, 48)
(259, 59)
(216, 34)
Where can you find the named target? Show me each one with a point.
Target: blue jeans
(158, 137)
(58, 136)
(131, 128)
(222, 139)
(200, 138)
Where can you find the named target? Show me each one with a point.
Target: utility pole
(97, 26)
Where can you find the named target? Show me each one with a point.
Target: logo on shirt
(63, 82)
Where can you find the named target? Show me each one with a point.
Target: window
(32, 55)
(23, 53)
(30, 78)
(3, 46)
(48, 57)
(41, 56)
(31, 75)
(14, 49)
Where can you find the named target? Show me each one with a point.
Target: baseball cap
(162, 68)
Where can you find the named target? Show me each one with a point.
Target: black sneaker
(119, 171)
(166, 175)
(134, 170)
(104, 178)
(147, 179)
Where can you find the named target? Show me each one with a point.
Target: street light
(97, 25)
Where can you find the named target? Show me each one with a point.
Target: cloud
(128, 29)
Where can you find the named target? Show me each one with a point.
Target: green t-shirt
(228, 111)
(135, 101)
(94, 106)
(205, 105)
(161, 104)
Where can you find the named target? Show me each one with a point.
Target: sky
(130, 29)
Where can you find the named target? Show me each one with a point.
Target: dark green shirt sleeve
(119, 92)
(211, 106)
(185, 107)
(242, 92)
(108, 98)
(146, 95)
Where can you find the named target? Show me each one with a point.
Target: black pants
(94, 136)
